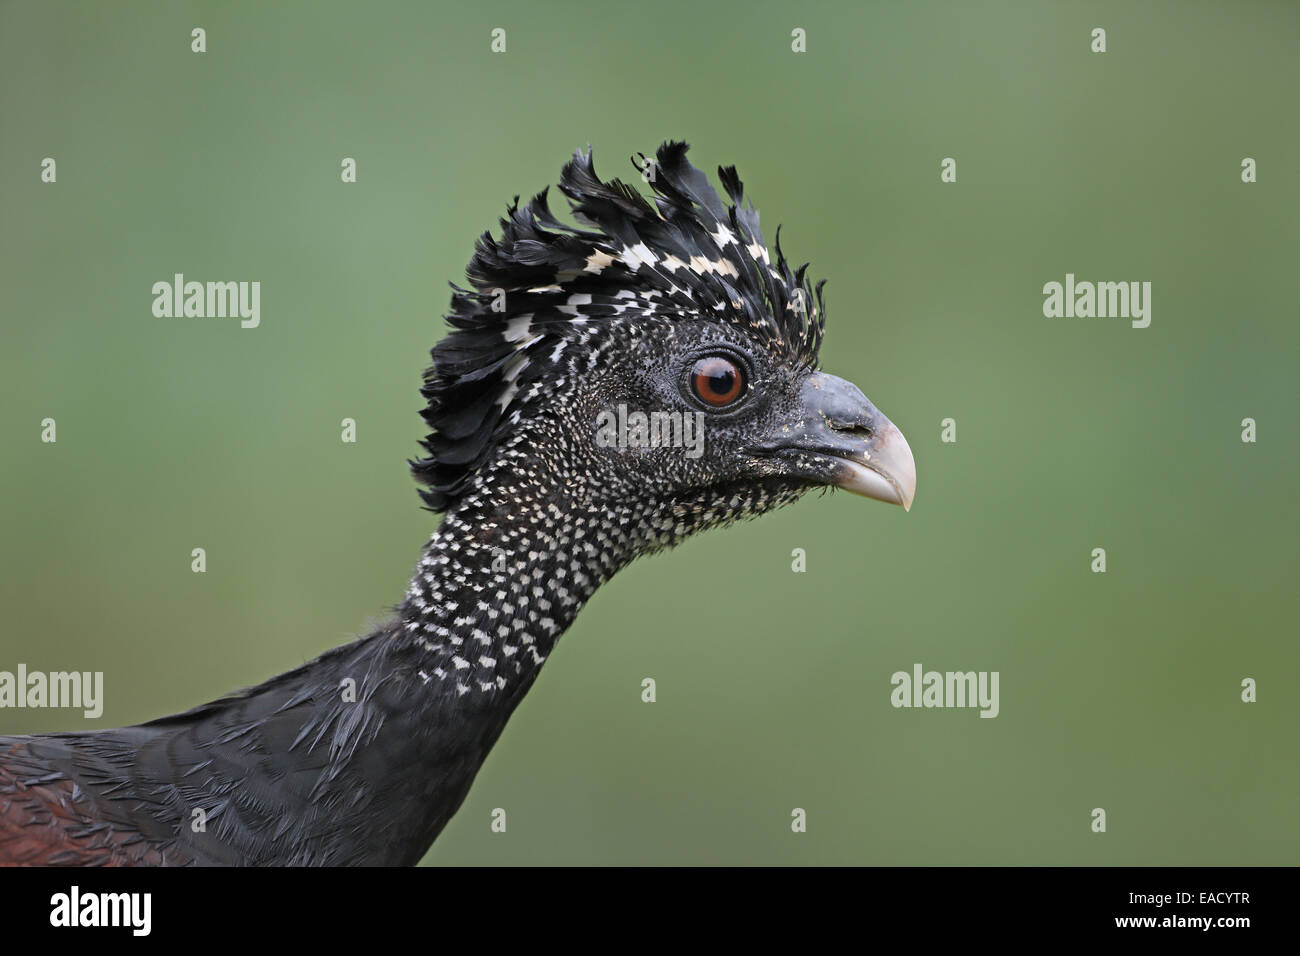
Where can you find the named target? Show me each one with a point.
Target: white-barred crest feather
(681, 254)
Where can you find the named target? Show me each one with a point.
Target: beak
(886, 472)
(843, 440)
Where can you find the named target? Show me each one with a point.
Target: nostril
(852, 423)
(857, 430)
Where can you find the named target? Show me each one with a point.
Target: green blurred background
(1118, 690)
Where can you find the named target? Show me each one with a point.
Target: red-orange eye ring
(717, 381)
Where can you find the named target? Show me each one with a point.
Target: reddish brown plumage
(49, 822)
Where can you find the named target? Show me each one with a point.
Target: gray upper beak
(852, 444)
(876, 460)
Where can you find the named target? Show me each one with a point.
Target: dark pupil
(720, 380)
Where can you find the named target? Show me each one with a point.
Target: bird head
(655, 352)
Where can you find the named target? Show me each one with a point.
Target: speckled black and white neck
(502, 579)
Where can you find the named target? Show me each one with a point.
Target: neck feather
(495, 589)
(497, 585)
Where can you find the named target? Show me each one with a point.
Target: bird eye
(717, 381)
